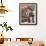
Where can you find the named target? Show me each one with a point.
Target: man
(29, 13)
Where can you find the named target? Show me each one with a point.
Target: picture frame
(28, 13)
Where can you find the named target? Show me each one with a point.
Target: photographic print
(28, 13)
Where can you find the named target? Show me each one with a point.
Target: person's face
(24, 8)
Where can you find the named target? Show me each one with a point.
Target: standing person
(29, 13)
(23, 13)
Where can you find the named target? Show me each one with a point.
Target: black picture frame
(35, 14)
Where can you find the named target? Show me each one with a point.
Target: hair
(29, 8)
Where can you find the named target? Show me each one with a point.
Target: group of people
(27, 12)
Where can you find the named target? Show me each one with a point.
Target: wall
(38, 32)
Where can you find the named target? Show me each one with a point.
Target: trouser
(29, 20)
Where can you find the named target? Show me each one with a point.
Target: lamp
(2, 9)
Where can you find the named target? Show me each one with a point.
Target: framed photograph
(28, 13)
